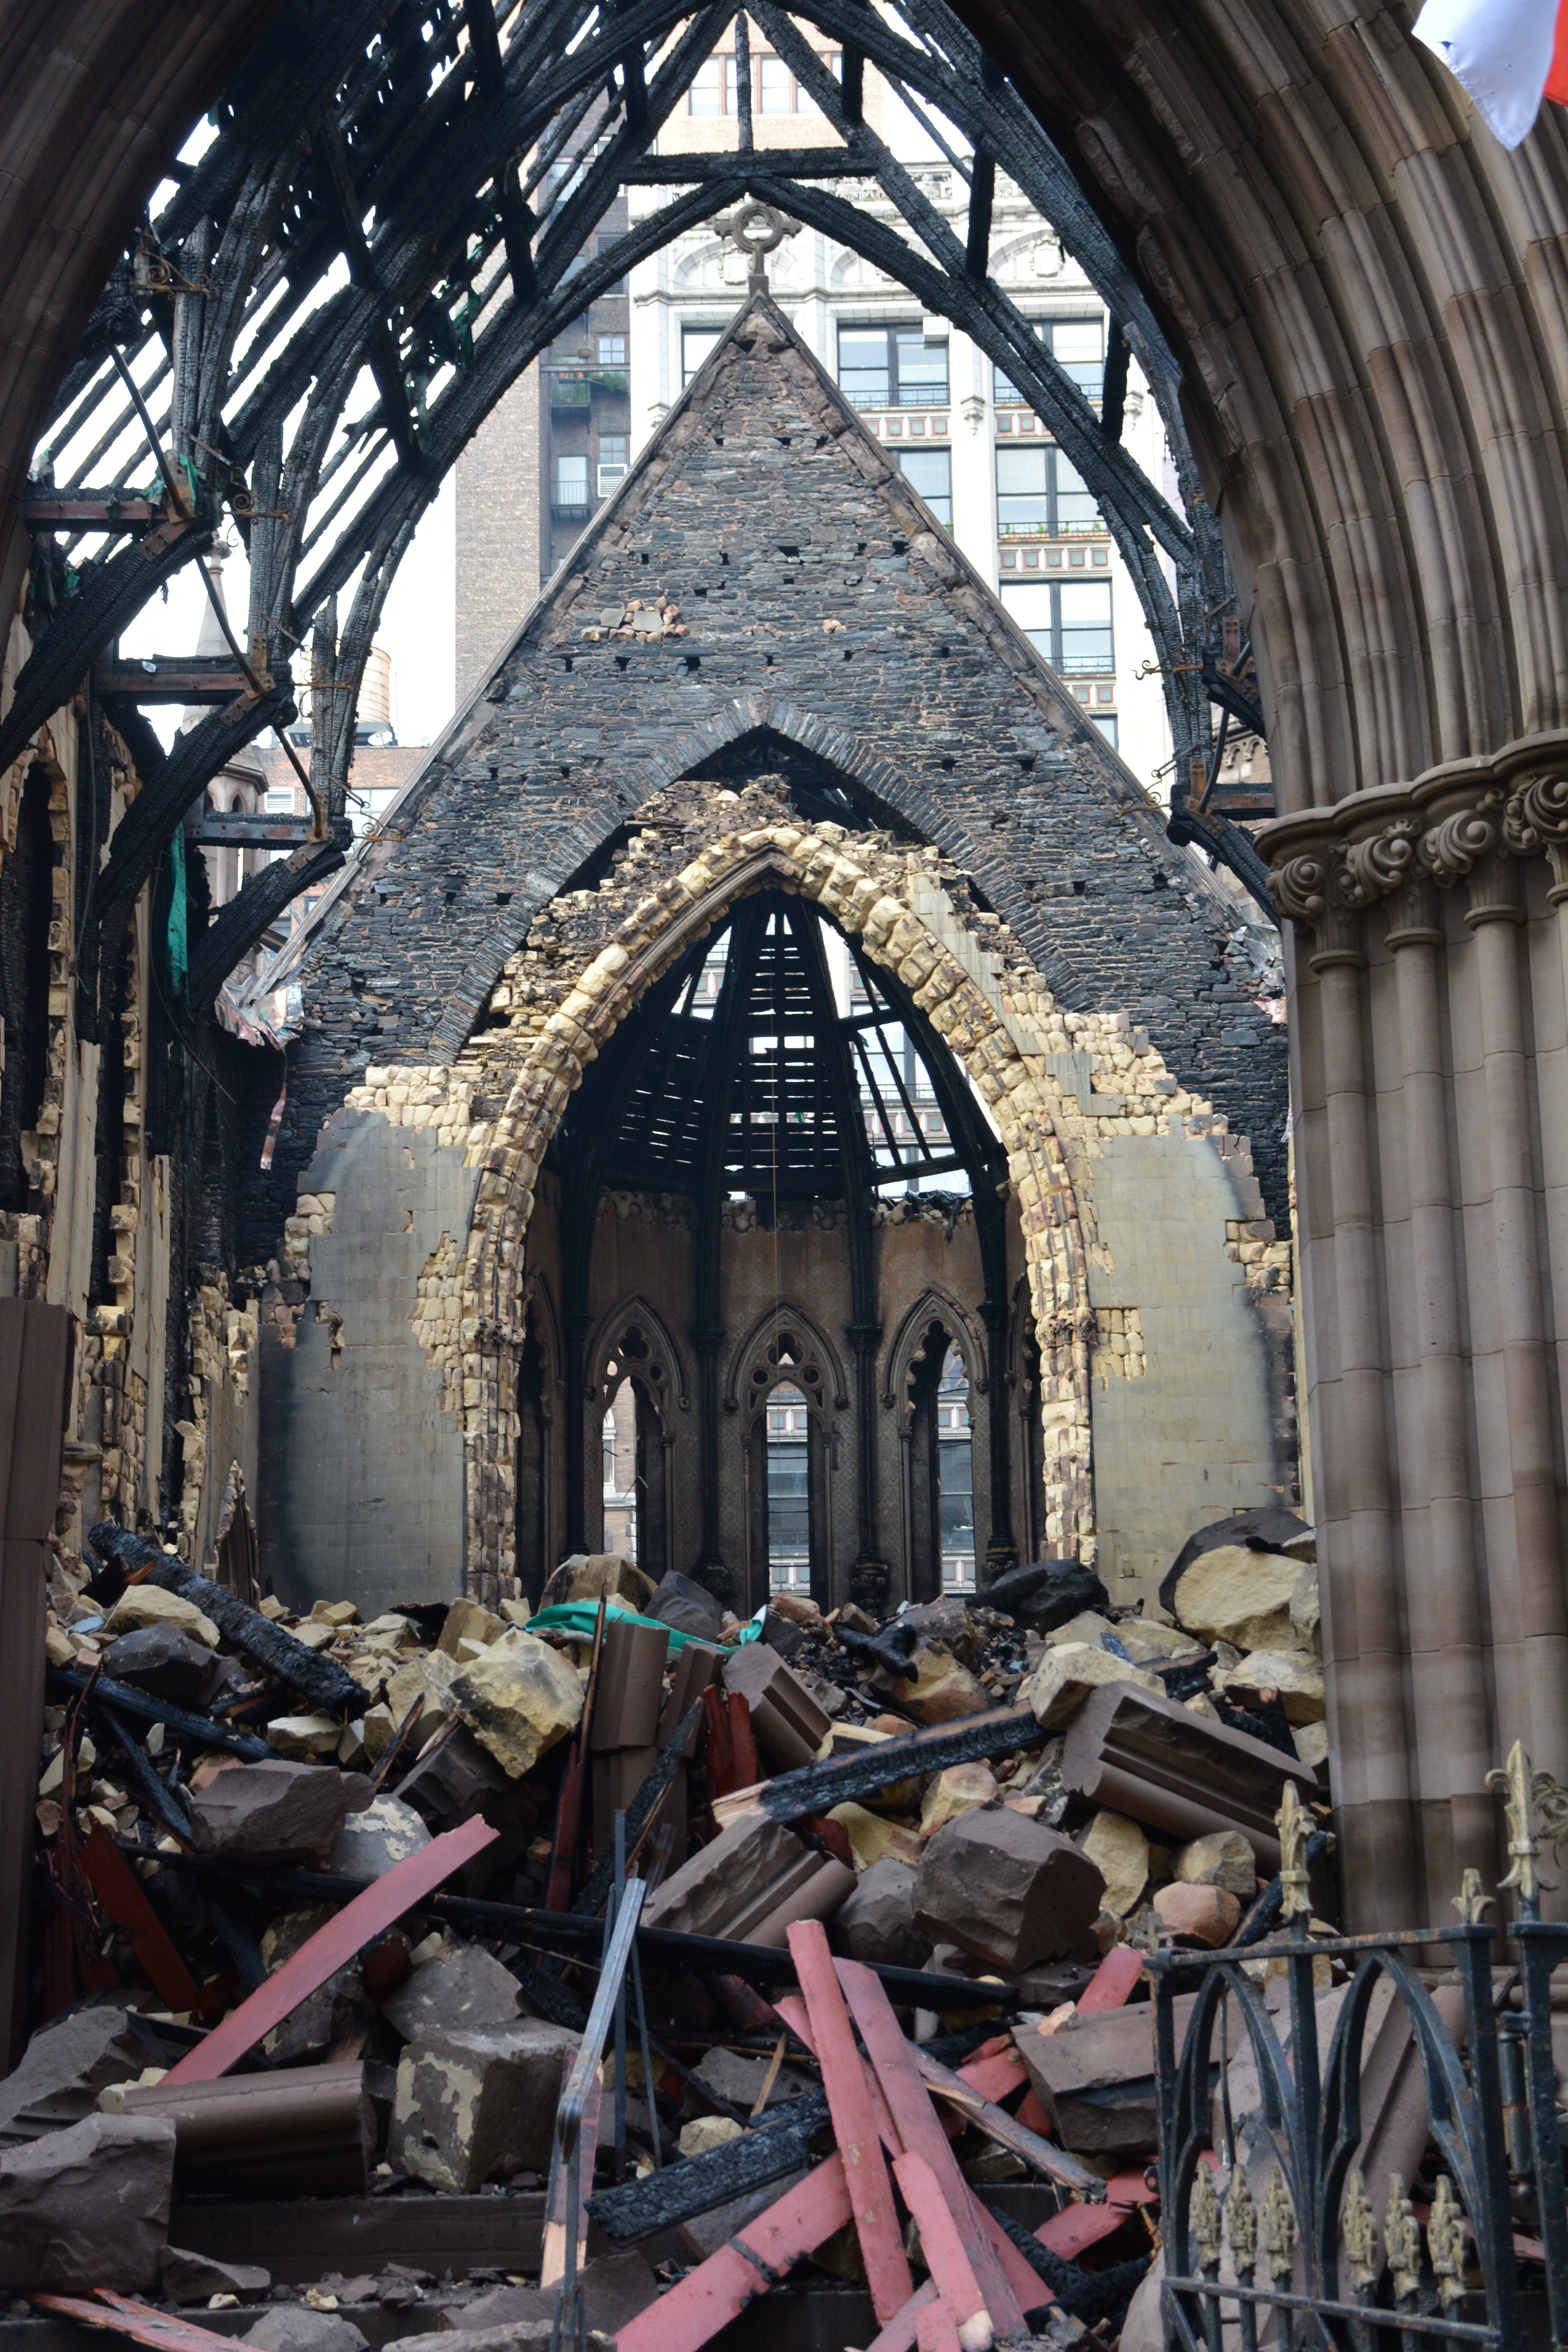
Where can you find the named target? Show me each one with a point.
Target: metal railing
(903, 396)
(1286, 2230)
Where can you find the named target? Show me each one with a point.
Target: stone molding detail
(1467, 825)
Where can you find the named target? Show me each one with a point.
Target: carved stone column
(1357, 1554)
(1446, 1632)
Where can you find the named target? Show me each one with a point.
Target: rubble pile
(325, 1905)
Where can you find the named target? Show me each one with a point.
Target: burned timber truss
(399, 211)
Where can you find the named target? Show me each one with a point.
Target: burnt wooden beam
(798, 163)
(111, 596)
(795, 1796)
(122, 1700)
(381, 351)
(172, 677)
(982, 196)
(250, 914)
(86, 511)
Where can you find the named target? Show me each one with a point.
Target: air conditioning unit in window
(609, 478)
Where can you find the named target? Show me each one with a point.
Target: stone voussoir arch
(842, 876)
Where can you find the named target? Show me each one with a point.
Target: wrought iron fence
(1282, 2229)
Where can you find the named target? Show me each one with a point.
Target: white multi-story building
(974, 451)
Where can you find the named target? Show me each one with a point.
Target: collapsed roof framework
(399, 211)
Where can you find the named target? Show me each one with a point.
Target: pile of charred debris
(462, 1968)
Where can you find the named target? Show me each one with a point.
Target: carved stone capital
(1453, 847)
(1381, 863)
(1535, 824)
(1308, 890)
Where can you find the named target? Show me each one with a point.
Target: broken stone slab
(935, 1687)
(87, 2207)
(296, 2328)
(957, 1790)
(788, 1725)
(1181, 1777)
(747, 1886)
(944, 1624)
(192, 2278)
(615, 2288)
(1222, 1859)
(469, 1621)
(518, 1699)
(685, 1606)
(375, 1841)
(596, 1576)
(629, 1696)
(737, 2078)
(877, 1922)
(1094, 2077)
(1070, 1671)
(147, 1604)
(1197, 1915)
(1120, 1852)
(1296, 1674)
(163, 1660)
(521, 2336)
(290, 2131)
(304, 1737)
(705, 2133)
(1046, 1592)
(1245, 1597)
(1268, 1530)
(1148, 1642)
(478, 2105)
(460, 1987)
(454, 1782)
(314, 2024)
(1006, 1890)
(429, 1675)
(277, 1811)
(1311, 1743)
(873, 1839)
(65, 2067)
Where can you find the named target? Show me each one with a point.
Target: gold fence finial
(1294, 1823)
(1469, 1902)
(1515, 1784)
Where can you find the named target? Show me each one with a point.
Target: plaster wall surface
(362, 1473)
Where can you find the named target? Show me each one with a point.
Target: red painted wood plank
(934, 2330)
(124, 2316)
(1131, 2188)
(1075, 2228)
(719, 2290)
(898, 2335)
(330, 1948)
(947, 2257)
(1112, 1981)
(915, 2121)
(855, 2121)
(792, 2012)
(994, 2078)
(124, 1898)
(1033, 2116)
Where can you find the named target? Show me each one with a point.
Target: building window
(696, 343)
(789, 1492)
(955, 1477)
(1041, 494)
(612, 351)
(1106, 722)
(571, 484)
(1068, 624)
(929, 471)
(715, 88)
(613, 449)
(279, 799)
(1078, 345)
(892, 367)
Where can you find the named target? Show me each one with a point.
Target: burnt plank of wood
(70, 1681)
(818, 1788)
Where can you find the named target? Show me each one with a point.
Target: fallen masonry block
(65, 2067)
(744, 1883)
(88, 2206)
(698, 1664)
(164, 1661)
(517, 2336)
(616, 1774)
(1095, 2077)
(373, 1841)
(1070, 1671)
(294, 2132)
(788, 1725)
(630, 1690)
(451, 1784)
(1007, 1890)
(935, 1686)
(355, 1927)
(1146, 1756)
(1268, 1530)
(192, 2278)
(1223, 1859)
(275, 1811)
(592, 1576)
(1198, 1915)
(478, 2104)
(1046, 1592)
(1233, 1594)
(295, 2328)
(143, 1605)
(685, 1606)
(518, 1700)
(458, 1988)
(877, 1922)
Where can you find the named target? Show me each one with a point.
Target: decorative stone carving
(1535, 822)
(1308, 889)
(1456, 844)
(1376, 867)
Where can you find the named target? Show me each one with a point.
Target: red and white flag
(1508, 54)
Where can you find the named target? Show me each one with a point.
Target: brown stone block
(1006, 1890)
(630, 1690)
(788, 1724)
(1147, 1757)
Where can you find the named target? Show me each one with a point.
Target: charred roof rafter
(408, 191)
